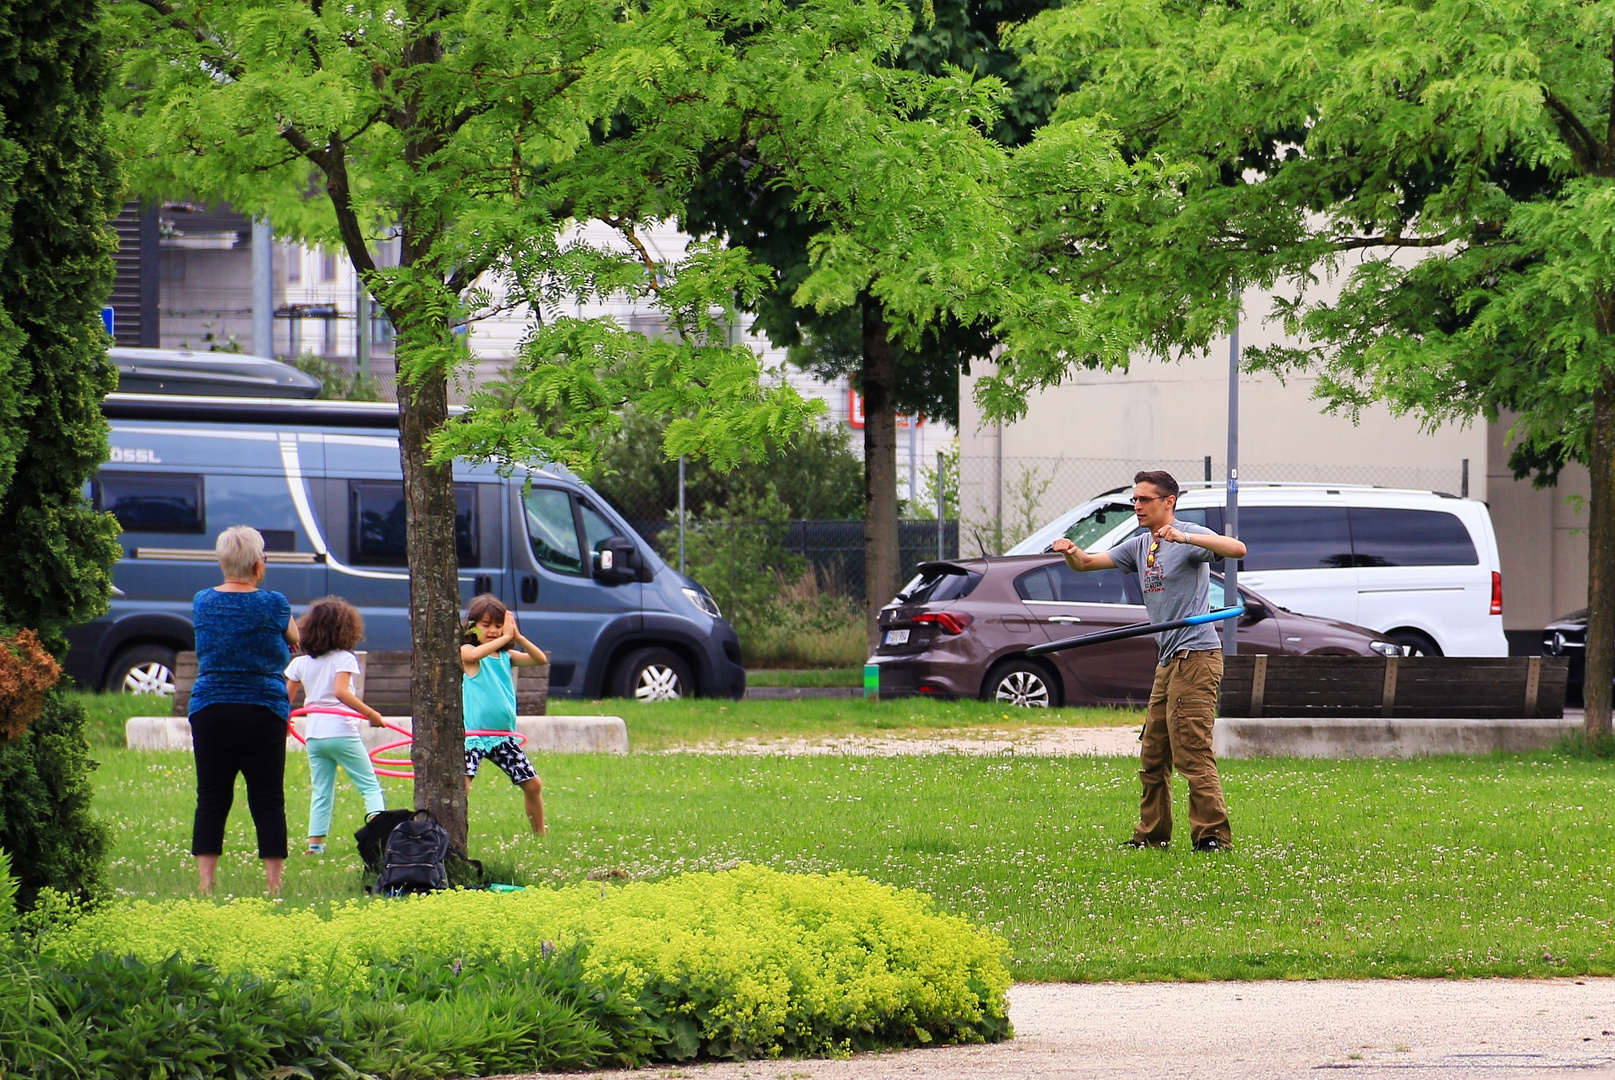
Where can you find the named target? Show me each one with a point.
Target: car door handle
(1064, 618)
(529, 589)
(1243, 580)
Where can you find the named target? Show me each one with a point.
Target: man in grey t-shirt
(1172, 559)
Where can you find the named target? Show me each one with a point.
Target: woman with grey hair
(239, 705)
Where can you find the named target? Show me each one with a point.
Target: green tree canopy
(753, 205)
(481, 134)
(1426, 186)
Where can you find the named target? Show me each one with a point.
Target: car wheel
(1021, 683)
(143, 669)
(1415, 643)
(653, 675)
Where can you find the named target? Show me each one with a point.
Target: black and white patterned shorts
(507, 754)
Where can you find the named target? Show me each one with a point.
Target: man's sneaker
(1211, 843)
(1137, 844)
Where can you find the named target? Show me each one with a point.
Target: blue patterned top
(241, 649)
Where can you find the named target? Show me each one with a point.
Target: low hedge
(742, 964)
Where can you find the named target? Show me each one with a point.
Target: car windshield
(936, 586)
(1091, 527)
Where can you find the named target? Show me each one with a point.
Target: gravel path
(1434, 1029)
(1035, 741)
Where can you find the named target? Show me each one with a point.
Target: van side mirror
(616, 561)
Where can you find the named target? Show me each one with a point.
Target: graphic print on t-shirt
(1153, 578)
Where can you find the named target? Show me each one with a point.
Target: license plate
(897, 637)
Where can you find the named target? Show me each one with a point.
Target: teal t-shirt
(489, 701)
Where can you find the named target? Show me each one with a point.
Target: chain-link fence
(831, 551)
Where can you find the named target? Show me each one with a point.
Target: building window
(327, 265)
(294, 264)
(171, 268)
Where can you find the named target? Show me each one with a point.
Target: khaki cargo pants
(1177, 732)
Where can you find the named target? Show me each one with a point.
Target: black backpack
(412, 861)
(372, 839)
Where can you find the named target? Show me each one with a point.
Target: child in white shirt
(324, 672)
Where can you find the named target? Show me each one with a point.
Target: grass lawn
(1494, 866)
(668, 724)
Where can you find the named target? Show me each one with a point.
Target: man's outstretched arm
(1078, 559)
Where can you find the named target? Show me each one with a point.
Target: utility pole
(681, 513)
(1230, 574)
(941, 506)
(361, 329)
(913, 463)
(263, 288)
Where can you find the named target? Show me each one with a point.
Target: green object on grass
(507, 888)
(872, 681)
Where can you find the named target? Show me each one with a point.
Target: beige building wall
(1541, 538)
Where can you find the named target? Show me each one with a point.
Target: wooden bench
(384, 684)
(1459, 687)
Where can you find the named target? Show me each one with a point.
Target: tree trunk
(880, 470)
(1600, 653)
(438, 752)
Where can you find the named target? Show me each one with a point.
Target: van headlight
(1386, 648)
(704, 602)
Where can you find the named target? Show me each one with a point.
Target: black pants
(250, 740)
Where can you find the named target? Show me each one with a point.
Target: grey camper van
(321, 480)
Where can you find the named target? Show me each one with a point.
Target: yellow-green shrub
(753, 961)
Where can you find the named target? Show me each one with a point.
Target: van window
(595, 527)
(1295, 537)
(377, 522)
(1385, 537)
(152, 502)
(552, 531)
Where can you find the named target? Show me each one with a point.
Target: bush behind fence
(832, 551)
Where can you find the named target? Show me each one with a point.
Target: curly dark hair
(331, 624)
(482, 604)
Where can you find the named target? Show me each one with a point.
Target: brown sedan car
(961, 629)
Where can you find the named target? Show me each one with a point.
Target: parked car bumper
(927, 675)
(727, 676)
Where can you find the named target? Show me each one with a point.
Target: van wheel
(653, 674)
(142, 669)
(1022, 683)
(1415, 643)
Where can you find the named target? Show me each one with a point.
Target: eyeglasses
(1140, 500)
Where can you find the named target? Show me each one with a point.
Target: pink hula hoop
(385, 766)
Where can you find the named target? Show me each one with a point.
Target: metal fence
(831, 550)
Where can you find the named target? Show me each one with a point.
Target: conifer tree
(58, 192)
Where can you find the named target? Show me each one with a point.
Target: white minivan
(1419, 567)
